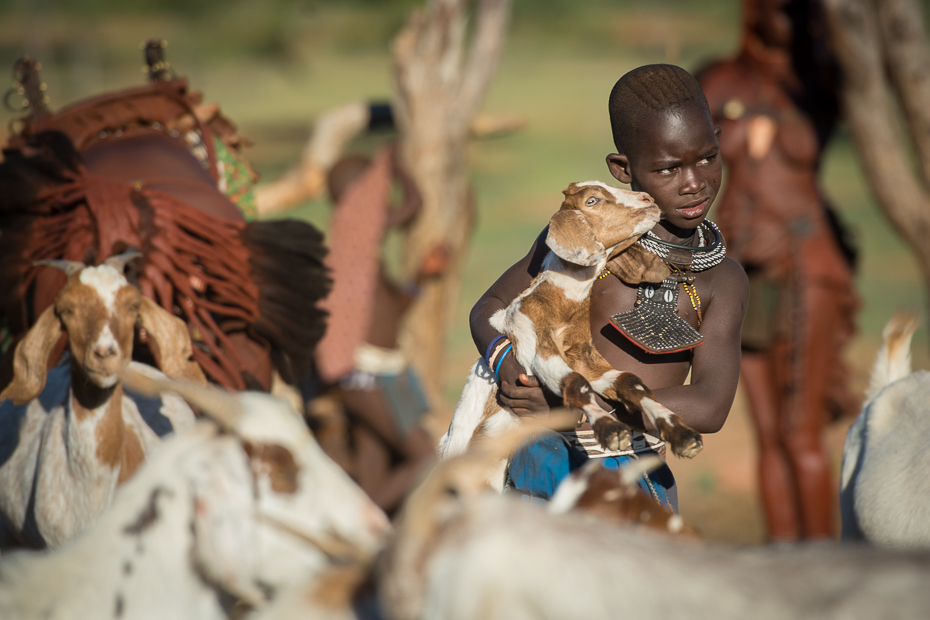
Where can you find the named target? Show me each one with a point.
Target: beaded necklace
(653, 324)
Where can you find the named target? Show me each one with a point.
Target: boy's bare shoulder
(729, 280)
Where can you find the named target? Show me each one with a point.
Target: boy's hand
(521, 392)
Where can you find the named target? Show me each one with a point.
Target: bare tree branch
(493, 20)
(438, 94)
(908, 54)
(870, 113)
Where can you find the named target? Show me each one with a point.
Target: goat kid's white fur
(573, 270)
(885, 481)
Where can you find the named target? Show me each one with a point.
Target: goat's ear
(173, 340)
(636, 265)
(573, 238)
(30, 361)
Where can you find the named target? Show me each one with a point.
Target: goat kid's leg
(610, 432)
(629, 389)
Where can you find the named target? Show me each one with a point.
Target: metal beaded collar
(704, 256)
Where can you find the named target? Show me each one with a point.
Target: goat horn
(219, 405)
(630, 474)
(70, 267)
(505, 443)
(572, 488)
(473, 463)
(119, 261)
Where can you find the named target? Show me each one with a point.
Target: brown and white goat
(71, 435)
(460, 552)
(242, 505)
(550, 329)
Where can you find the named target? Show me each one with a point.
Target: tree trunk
(882, 48)
(442, 75)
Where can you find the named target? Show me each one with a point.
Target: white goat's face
(98, 309)
(302, 494)
(297, 509)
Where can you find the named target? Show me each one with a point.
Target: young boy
(666, 146)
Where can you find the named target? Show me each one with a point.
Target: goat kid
(885, 480)
(616, 496)
(240, 506)
(549, 326)
(70, 435)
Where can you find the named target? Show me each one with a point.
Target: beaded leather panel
(653, 324)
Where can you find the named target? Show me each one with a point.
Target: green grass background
(274, 66)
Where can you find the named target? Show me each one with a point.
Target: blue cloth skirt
(536, 469)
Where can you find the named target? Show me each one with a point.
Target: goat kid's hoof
(690, 448)
(683, 440)
(612, 435)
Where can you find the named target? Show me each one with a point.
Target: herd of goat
(241, 514)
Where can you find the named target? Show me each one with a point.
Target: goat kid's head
(617, 497)
(597, 221)
(98, 309)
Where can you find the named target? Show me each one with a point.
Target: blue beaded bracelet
(487, 354)
(501, 359)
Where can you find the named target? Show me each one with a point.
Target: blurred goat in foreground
(236, 508)
(459, 552)
(885, 484)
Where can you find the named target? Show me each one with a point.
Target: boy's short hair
(644, 91)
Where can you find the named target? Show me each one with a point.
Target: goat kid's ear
(173, 341)
(573, 239)
(30, 361)
(636, 265)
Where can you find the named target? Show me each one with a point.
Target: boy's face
(677, 161)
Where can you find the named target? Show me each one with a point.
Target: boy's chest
(610, 296)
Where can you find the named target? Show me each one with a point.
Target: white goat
(885, 489)
(549, 327)
(69, 436)
(211, 517)
(461, 553)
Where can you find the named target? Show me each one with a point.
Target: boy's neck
(673, 234)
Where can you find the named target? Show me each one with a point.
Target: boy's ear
(636, 265)
(619, 166)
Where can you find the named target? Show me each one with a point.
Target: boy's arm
(705, 403)
(518, 391)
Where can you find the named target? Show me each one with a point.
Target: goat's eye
(591, 202)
